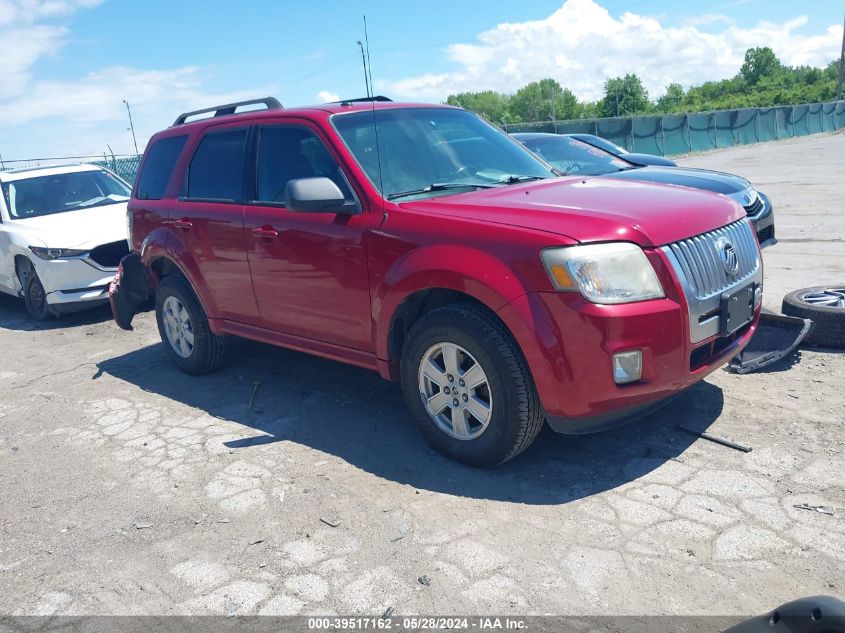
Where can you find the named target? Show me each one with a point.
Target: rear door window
(158, 166)
(217, 167)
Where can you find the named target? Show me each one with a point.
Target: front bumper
(569, 344)
(74, 282)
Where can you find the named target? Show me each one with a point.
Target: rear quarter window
(158, 167)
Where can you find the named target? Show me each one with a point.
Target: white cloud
(28, 11)
(324, 96)
(581, 45)
(87, 113)
(81, 115)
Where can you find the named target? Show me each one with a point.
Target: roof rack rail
(229, 108)
(360, 99)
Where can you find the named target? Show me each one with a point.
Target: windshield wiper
(439, 186)
(92, 202)
(512, 180)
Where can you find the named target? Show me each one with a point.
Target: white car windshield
(424, 152)
(57, 193)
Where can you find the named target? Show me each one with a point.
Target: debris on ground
(424, 580)
(142, 525)
(255, 386)
(331, 522)
(822, 509)
(387, 613)
(715, 438)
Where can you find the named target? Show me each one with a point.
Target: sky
(68, 65)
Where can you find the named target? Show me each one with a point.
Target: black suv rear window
(155, 174)
(217, 168)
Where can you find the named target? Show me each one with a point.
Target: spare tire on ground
(825, 306)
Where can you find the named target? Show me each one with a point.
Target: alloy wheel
(827, 298)
(455, 391)
(178, 327)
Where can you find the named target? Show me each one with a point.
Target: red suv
(421, 242)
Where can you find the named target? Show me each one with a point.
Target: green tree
(672, 100)
(759, 62)
(489, 104)
(544, 100)
(624, 96)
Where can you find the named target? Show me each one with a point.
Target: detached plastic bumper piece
(129, 290)
(776, 336)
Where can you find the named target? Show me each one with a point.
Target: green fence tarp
(647, 135)
(670, 134)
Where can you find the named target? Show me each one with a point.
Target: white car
(62, 235)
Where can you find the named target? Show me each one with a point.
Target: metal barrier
(696, 132)
(124, 166)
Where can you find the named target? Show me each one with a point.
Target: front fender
(461, 268)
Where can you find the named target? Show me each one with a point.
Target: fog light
(627, 366)
(758, 295)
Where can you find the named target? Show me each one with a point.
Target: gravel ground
(130, 488)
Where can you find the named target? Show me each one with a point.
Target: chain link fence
(681, 133)
(125, 166)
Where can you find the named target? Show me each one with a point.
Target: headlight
(56, 253)
(617, 272)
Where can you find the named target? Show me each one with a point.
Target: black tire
(828, 322)
(209, 351)
(34, 297)
(517, 415)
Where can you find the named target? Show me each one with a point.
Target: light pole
(131, 126)
(841, 65)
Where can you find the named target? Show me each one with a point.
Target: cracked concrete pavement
(130, 488)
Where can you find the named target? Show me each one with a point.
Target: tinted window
(216, 171)
(161, 157)
(286, 153)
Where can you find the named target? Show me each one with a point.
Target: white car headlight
(615, 272)
(56, 253)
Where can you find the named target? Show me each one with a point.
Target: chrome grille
(701, 265)
(754, 208)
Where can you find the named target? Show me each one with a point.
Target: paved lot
(130, 488)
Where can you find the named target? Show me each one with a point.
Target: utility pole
(841, 64)
(131, 126)
(2, 164)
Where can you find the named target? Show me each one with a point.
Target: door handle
(183, 224)
(265, 232)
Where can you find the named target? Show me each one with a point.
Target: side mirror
(314, 195)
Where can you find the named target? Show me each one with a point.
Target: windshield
(45, 195)
(603, 143)
(571, 156)
(427, 152)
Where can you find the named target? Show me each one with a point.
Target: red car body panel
(331, 284)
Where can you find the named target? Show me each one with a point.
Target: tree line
(762, 81)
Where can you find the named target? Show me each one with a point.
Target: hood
(714, 181)
(83, 229)
(593, 209)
